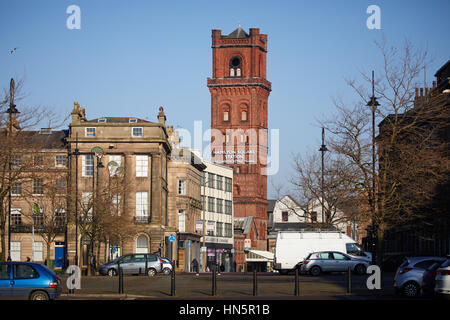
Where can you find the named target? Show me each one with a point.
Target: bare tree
(406, 175)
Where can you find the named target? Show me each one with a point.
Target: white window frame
(142, 204)
(93, 132)
(115, 204)
(113, 169)
(16, 251)
(181, 187)
(225, 116)
(181, 220)
(84, 166)
(141, 165)
(38, 251)
(59, 164)
(137, 136)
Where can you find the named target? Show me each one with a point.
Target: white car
(442, 286)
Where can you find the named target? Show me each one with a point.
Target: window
(38, 186)
(61, 185)
(228, 230)
(132, 120)
(16, 250)
(339, 256)
(284, 216)
(86, 205)
(87, 165)
(235, 67)
(181, 221)
(24, 271)
(137, 132)
(115, 205)
(115, 162)
(210, 228)
(225, 116)
(182, 187)
(101, 120)
(211, 180)
(219, 229)
(141, 245)
(91, 132)
(424, 264)
(219, 182)
(228, 185)
(202, 178)
(38, 160)
(211, 202)
(38, 251)
(323, 255)
(16, 161)
(4, 272)
(61, 161)
(141, 166)
(60, 217)
(244, 115)
(219, 206)
(228, 207)
(16, 189)
(38, 220)
(16, 217)
(141, 204)
(313, 216)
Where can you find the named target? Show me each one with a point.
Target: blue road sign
(171, 238)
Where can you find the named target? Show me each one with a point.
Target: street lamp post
(76, 153)
(323, 149)
(98, 153)
(373, 103)
(11, 110)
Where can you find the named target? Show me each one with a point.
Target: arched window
(142, 244)
(244, 115)
(225, 116)
(235, 67)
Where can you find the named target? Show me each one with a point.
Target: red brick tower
(239, 95)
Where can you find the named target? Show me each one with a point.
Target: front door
(5, 281)
(59, 257)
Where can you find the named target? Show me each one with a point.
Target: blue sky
(130, 57)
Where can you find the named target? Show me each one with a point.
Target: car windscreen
(354, 249)
(446, 264)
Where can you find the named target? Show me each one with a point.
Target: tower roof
(238, 33)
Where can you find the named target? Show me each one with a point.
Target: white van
(292, 247)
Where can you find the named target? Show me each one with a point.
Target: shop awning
(259, 256)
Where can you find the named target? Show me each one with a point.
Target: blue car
(27, 280)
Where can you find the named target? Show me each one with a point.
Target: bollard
(214, 288)
(172, 280)
(349, 280)
(119, 268)
(255, 283)
(296, 282)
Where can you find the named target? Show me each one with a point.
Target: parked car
(442, 287)
(167, 266)
(27, 280)
(429, 278)
(332, 261)
(133, 264)
(409, 275)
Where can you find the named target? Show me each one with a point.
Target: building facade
(38, 197)
(118, 176)
(184, 208)
(239, 102)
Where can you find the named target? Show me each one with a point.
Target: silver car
(332, 261)
(134, 264)
(409, 276)
(442, 286)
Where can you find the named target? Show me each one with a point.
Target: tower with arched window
(239, 95)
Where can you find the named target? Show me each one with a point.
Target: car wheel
(315, 271)
(360, 269)
(166, 271)
(151, 272)
(39, 295)
(112, 272)
(410, 289)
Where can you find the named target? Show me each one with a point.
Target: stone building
(184, 208)
(119, 182)
(38, 197)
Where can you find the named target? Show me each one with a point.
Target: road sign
(171, 238)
